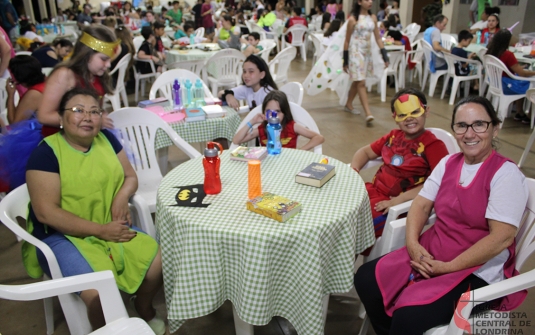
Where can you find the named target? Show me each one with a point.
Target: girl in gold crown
(87, 68)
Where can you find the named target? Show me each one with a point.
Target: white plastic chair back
(451, 60)
(447, 138)
(448, 41)
(494, 69)
(530, 95)
(15, 204)
(298, 32)
(267, 46)
(120, 90)
(164, 83)
(280, 65)
(194, 66)
(294, 91)
(228, 69)
(253, 27)
(138, 40)
(411, 31)
(301, 116)
(428, 51)
(199, 32)
(485, 82)
(23, 53)
(117, 320)
(318, 47)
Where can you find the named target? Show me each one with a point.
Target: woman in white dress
(358, 55)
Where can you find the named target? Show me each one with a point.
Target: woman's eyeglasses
(478, 127)
(79, 112)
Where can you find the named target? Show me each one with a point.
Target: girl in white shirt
(257, 83)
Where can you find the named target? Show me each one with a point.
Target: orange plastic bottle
(211, 162)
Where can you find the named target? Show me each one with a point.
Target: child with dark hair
(147, 52)
(159, 31)
(253, 48)
(278, 102)
(257, 83)
(465, 38)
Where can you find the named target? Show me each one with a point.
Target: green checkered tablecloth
(266, 268)
(202, 131)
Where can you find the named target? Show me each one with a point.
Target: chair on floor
(416, 55)
(267, 46)
(429, 53)
(395, 59)
(199, 32)
(137, 128)
(501, 102)
(411, 31)
(120, 90)
(300, 116)
(530, 94)
(139, 77)
(164, 83)
(280, 65)
(253, 27)
(294, 91)
(457, 80)
(227, 70)
(276, 32)
(448, 41)
(318, 47)
(14, 205)
(485, 82)
(298, 32)
(117, 320)
(194, 66)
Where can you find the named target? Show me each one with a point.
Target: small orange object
(255, 179)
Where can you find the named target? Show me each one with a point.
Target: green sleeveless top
(89, 182)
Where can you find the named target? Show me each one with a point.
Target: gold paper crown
(107, 48)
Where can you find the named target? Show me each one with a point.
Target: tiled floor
(344, 134)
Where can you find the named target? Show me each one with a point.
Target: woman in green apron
(80, 181)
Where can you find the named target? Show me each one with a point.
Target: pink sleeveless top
(460, 223)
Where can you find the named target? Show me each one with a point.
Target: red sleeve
(377, 146)
(509, 59)
(482, 38)
(435, 151)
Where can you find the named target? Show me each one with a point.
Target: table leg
(242, 327)
(162, 155)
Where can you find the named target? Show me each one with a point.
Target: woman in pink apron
(479, 197)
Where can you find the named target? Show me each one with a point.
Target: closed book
(195, 114)
(248, 153)
(214, 111)
(161, 101)
(316, 174)
(274, 206)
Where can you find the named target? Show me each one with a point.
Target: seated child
(400, 39)
(179, 31)
(257, 83)
(409, 155)
(277, 101)
(252, 47)
(465, 38)
(147, 51)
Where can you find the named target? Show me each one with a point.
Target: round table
(188, 55)
(266, 268)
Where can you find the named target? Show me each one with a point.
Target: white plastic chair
(294, 91)
(280, 65)
(194, 66)
(448, 41)
(228, 69)
(120, 90)
(137, 129)
(300, 116)
(501, 102)
(276, 31)
(139, 77)
(3, 100)
(416, 55)
(253, 27)
(25, 53)
(530, 94)
(411, 31)
(451, 60)
(485, 82)
(199, 32)
(318, 47)
(14, 205)
(117, 320)
(164, 83)
(428, 50)
(395, 59)
(298, 32)
(267, 46)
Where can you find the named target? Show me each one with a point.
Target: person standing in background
(10, 19)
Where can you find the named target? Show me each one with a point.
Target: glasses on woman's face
(79, 112)
(479, 127)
